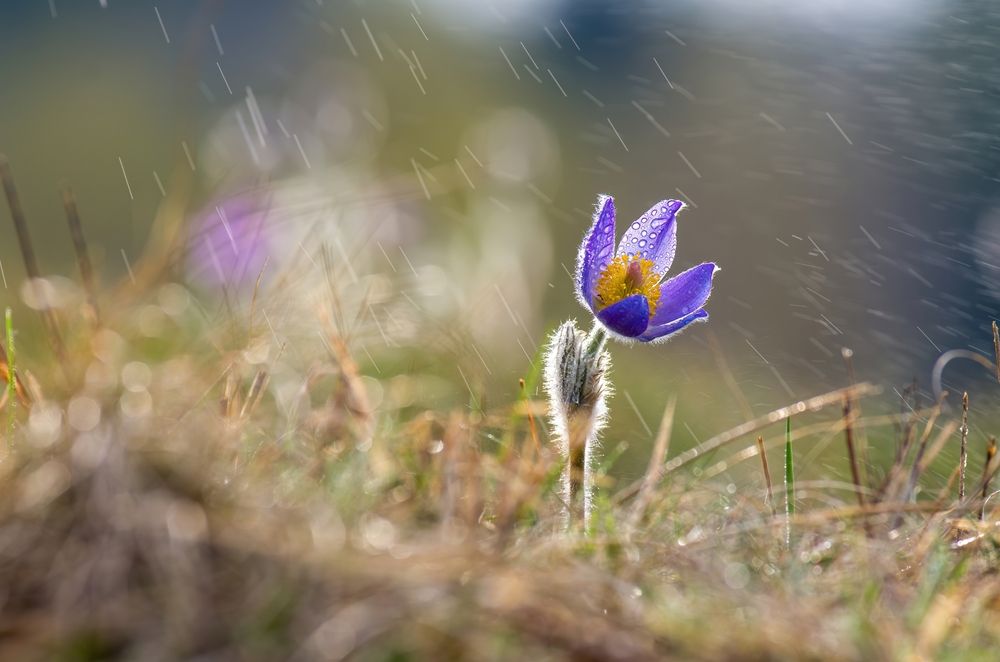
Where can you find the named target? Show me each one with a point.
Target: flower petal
(684, 293)
(596, 251)
(654, 235)
(629, 317)
(664, 331)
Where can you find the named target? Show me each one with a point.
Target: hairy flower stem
(596, 339)
(575, 367)
(584, 429)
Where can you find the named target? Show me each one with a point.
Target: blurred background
(435, 164)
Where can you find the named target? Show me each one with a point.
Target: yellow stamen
(627, 275)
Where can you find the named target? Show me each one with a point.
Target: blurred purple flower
(229, 241)
(625, 288)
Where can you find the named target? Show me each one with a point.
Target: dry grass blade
(909, 417)
(767, 474)
(826, 517)
(989, 468)
(727, 375)
(17, 216)
(254, 394)
(11, 386)
(948, 485)
(872, 509)
(851, 455)
(352, 397)
(924, 458)
(733, 434)
(996, 350)
(940, 619)
(992, 465)
(28, 252)
(531, 417)
(918, 458)
(256, 292)
(812, 404)
(963, 455)
(230, 402)
(80, 249)
(654, 470)
(829, 429)
(894, 484)
(789, 483)
(861, 438)
(934, 449)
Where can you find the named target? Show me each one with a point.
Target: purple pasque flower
(625, 288)
(230, 240)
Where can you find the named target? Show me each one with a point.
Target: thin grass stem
(963, 454)
(81, 251)
(28, 253)
(11, 374)
(767, 474)
(988, 471)
(851, 454)
(789, 482)
(652, 477)
(996, 350)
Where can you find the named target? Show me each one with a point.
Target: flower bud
(575, 369)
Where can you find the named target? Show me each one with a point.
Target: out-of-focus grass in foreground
(167, 492)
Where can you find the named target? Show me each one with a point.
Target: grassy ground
(197, 478)
(160, 500)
